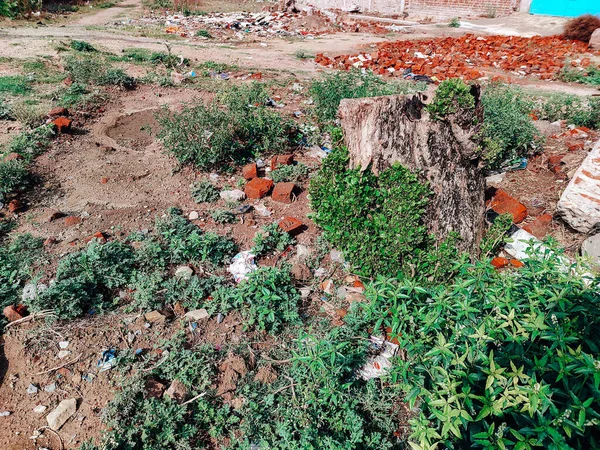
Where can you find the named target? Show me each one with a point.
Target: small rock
(63, 344)
(63, 412)
(301, 272)
(595, 40)
(327, 286)
(40, 409)
(31, 291)
(591, 248)
(32, 389)
(184, 272)
(58, 111)
(155, 317)
(220, 318)
(177, 391)
(250, 171)
(14, 206)
(494, 180)
(63, 354)
(154, 389)
(50, 388)
(305, 291)
(194, 215)
(5, 413)
(234, 195)
(72, 221)
(197, 314)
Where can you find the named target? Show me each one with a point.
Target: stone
(177, 391)
(72, 221)
(197, 315)
(154, 389)
(281, 160)
(250, 171)
(58, 111)
(301, 272)
(97, 235)
(591, 248)
(31, 291)
(234, 195)
(257, 188)
(194, 215)
(154, 317)
(50, 387)
(63, 354)
(290, 225)
(579, 204)
(595, 40)
(63, 412)
(184, 272)
(32, 389)
(63, 124)
(503, 203)
(40, 409)
(540, 227)
(284, 192)
(63, 344)
(495, 179)
(11, 313)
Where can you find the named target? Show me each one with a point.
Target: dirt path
(124, 10)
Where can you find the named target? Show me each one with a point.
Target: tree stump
(288, 6)
(381, 131)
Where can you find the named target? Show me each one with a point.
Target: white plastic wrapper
(241, 265)
(378, 364)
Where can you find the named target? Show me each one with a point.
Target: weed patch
(294, 173)
(83, 46)
(204, 192)
(271, 238)
(580, 111)
(15, 84)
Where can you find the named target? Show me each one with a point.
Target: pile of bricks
(466, 56)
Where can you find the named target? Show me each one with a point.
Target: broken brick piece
(154, 389)
(540, 227)
(14, 205)
(249, 171)
(11, 313)
(103, 180)
(574, 146)
(281, 160)
(290, 225)
(516, 263)
(72, 220)
(12, 157)
(283, 192)
(503, 203)
(97, 235)
(500, 262)
(258, 188)
(58, 111)
(63, 124)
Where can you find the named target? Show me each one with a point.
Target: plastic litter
(107, 360)
(242, 264)
(379, 363)
(242, 209)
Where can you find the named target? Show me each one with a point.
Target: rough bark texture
(380, 131)
(288, 6)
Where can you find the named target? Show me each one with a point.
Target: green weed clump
(145, 56)
(227, 131)
(295, 173)
(328, 92)
(591, 75)
(204, 192)
(451, 96)
(271, 238)
(580, 111)
(222, 216)
(508, 131)
(204, 34)
(83, 46)
(96, 71)
(376, 221)
(15, 84)
(510, 363)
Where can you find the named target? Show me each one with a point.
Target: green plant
(329, 91)
(452, 95)
(454, 23)
(580, 111)
(15, 84)
(31, 143)
(497, 359)
(222, 216)
(303, 54)
(82, 46)
(271, 238)
(84, 70)
(590, 75)
(13, 176)
(204, 192)
(144, 56)
(204, 34)
(375, 221)
(31, 116)
(266, 300)
(116, 77)
(506, 124)
(225, 132)
(6, 226)
(295, 172)
(6, 110)
(9, 8)
(495, 235)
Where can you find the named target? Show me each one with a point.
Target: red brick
(281, 160)
(503, 203)
(58, 111)
(499, 262)
(63, 124)
(283, 192)
(290, 225)
(258, 187)
(72, 220)
(12, 314)
(516, 263)
(12, 157)
(574, 146)
(97, 235)
(103, 180)
(540, 227)
(14, 206)
(249, 171)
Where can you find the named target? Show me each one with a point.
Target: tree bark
(381, 131)
(288, 6)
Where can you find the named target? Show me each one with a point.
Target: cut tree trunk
(381, 131)
(288, 6)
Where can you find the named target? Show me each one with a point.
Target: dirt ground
(112, 172)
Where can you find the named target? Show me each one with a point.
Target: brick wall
(461, 8)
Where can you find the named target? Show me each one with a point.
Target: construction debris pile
(466, 57)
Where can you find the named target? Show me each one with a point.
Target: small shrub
(237, 125)
(31, 143)
(116, 77)
(222, 216)
(451, 96)
(303, 54)
(83, 46)
(328, 92)
(266, 300)
(31, 116)
(204, 34)
(144, 56)
(271, 238)
(294, 173)
(84, 70)
(13, 176)
(15, 84)
(495, 235)
(581, 28)
(204, 192)
(6, 110)
(580, 111)
(507, 125)
(590, 75)
(454, 23)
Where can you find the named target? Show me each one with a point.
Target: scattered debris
(63, 412)
(378, 364)
(242, 264)
(197, 315)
